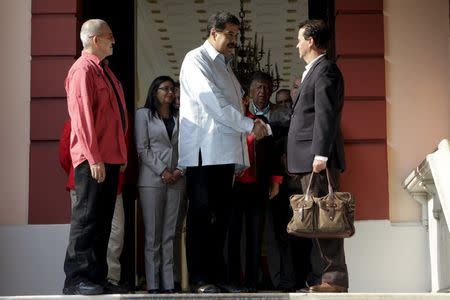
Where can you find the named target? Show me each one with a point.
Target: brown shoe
(325, 287)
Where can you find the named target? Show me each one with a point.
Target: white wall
(385, 257)
(15, 34)
(417, 89)
(32, 259)
(381, 258)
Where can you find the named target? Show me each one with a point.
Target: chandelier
(248, 58)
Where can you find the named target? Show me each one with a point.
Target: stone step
(255, 296)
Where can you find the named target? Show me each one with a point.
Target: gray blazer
(156, 151)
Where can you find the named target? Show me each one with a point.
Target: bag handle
(330, 188)
(308, 189)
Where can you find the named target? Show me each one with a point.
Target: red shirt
(66, 161)
(97, 134)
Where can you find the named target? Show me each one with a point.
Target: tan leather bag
(330, 216)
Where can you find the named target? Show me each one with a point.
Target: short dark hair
(152, 102)
(220, 19)
(259, 75)
(318, 31)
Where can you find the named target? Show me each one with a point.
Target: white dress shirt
(211, 116)
(308, 66)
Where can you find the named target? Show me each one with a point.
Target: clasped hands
(168, 177)
(259, 129)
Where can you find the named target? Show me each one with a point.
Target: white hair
(89, 29)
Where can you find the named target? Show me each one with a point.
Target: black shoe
(154, 291)
(285, 289)
(169, 291)
(83, 288)
(177, 287)
(229, 288)
(111, 288)
(205, 288)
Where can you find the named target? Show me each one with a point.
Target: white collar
(212, 52)
(308, 66)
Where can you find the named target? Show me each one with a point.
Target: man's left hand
(98, 172)
(319, 165)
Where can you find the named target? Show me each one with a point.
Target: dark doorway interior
(120, 17)
(324, 10)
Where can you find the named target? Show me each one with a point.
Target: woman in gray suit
(161, 184)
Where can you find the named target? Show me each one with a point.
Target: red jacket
(66, 161)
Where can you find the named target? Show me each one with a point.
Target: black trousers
(295, 264)
(327, 255)
(209, 194)
(249, 203)
(90, 225)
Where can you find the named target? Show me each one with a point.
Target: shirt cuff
(320, 157)
(249, 123)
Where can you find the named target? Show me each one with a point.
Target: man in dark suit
(315, 143)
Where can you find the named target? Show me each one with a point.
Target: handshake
(260, 129)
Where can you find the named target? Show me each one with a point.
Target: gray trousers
(160, 211)
(115, 244)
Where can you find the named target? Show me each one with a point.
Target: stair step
(256, 296)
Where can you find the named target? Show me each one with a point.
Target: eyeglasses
(167, 89)
(228, 33)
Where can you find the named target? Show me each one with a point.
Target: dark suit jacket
(315, 123)
(265, 161)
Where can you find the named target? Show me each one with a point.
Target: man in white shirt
(212, 146)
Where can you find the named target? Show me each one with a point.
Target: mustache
(231, 45)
